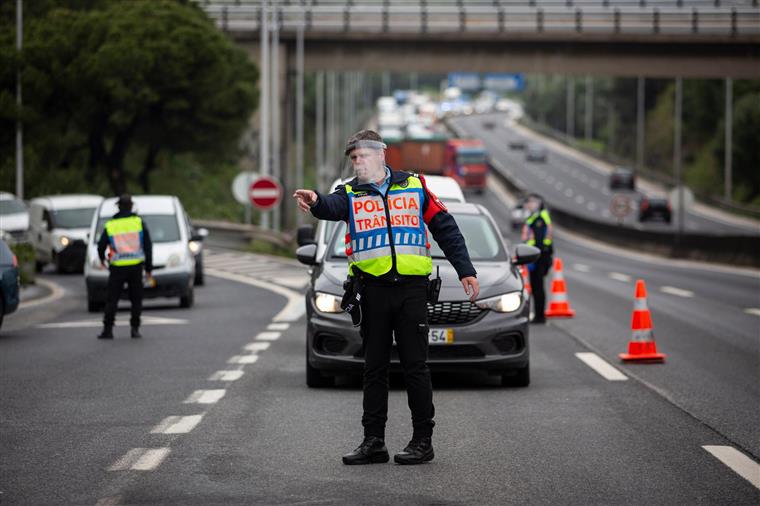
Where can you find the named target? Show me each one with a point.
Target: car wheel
(58, 264)
(314, 378)
(187, 300)
(519, 378)
(199, 274)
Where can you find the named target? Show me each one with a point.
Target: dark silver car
(489, 335)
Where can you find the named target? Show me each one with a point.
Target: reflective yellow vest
(378, 229)
(544, 215)
(125, 238)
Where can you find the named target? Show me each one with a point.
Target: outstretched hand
(305, 199)
(471, 287)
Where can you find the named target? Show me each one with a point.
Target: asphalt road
(569, 182)
(84, 421)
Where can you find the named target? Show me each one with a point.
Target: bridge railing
(612, 17)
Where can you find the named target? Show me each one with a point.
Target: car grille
(446, 352)
(449, 313)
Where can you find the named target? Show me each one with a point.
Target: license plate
(441, 336)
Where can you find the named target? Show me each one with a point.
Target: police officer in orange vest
(389, 255)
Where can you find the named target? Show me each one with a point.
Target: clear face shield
(368, 160)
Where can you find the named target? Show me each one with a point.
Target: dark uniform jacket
(147, 243)
(441, 224)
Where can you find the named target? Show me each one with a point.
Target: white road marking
(297, 282)
(243, 359)
(278, 326)
(569, 192)
(604, 369)
(677, 291)
(177, 424)
(114, 500)
(752, 310)
(738, 462)
(256, 346)
(141, 459)
(581, 267)
(226, 376)
(268, 336)
(625, 278)
(56, 292)
(146, 320)
(205, 396)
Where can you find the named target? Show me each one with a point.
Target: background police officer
(130, 250)
(537, 231)
(388, 250)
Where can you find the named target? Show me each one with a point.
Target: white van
(58, 226)
(14, 217)
(173, 259)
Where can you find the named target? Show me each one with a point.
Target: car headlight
(194, 246)
(327, 303)
(173, 261)
(505, 303)
(64, 241)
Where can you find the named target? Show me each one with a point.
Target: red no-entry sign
(265, 192)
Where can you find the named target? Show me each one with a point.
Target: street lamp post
(19, 126)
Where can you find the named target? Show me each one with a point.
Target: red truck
(462, 159)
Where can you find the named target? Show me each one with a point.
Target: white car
(14, 217)
(173, 258)
(58, 226)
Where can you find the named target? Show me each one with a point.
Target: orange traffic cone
(526, 278)
(559, 307)
(642, 347)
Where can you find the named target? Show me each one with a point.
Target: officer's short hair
(125, 202)
(365, 139)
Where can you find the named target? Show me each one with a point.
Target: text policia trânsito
(374, 210)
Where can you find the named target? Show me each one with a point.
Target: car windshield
(162, 227)
(11, 206)
(471, 158)
(482, 239)
(72, 218)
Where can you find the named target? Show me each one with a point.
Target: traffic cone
(526, 279)
(642, 347)
(559, 307)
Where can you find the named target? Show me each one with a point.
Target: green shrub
(26, 261)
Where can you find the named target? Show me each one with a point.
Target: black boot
(418, 450)
(107, 332)
(135, 333)
(371, 451)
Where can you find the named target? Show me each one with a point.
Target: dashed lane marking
(278, 326)
(177, 424)
(604, 369)
(569, 193)
(752, 310)
(738, 462)
(226, 376)
(617, 276)
(243, 359)
(581, 267)
(146, 320)
(678, 292)
(257, 346)
(141, 459)
(267, 336)
(205, 396)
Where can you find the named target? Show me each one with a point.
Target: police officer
(537, 231)
(388, 250)
(131, 250)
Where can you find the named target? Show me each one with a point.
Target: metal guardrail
(607, 17)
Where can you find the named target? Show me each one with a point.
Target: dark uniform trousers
(537, 275)
(387, 309)
(131, 275)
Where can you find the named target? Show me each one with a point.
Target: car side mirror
(307, 254)
(199, 234)
(525, 254)
(305, 235)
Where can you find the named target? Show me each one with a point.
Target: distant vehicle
(489, 335)
(10, 281)
(654, 208)
(467, 162)
(425, 155)
(622, 177)
(14, 217)
(173, 259)
(516, 144)
(536, 153)
(386, 105)
(58, 226)
(518, 214)
(489, 125)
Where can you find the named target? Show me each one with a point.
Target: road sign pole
(276, 106)
(640, 124)
(264, 101)
(299, 114)
(570, 108)
(19, 125)
(588, 134)
(677, 153)
(320, 129)
(729, 146)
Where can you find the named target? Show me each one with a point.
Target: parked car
(173, 259)
(516, 144)
(654, 208)
(58, 226)
(622, 177)
(489, 335)
(14, 216)
(10, 281)
(536, 153)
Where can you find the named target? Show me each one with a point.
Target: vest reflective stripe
(125, 237)
(544, 215)
(368, 244)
